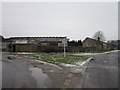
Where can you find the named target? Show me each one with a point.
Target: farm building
(93, 45)
(32, 44)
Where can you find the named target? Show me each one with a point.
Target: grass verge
(56, 58)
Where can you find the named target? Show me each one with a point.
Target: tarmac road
(20, 72)
(16, 74)
(102, 72)
(25, 73)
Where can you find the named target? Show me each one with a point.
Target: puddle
(76, 70)
(105, 61)
(51, 70)
(39, 76)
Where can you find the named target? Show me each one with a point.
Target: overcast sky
(71, 19)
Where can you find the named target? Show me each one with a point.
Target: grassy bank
(69, 59)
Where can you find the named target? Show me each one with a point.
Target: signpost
(65, 43)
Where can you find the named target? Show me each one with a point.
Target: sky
(76, 20)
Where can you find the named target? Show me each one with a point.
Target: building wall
(24, 48)
(0, 46)
(44, 44)
(91, 45)
(5, 46)
(105, 46)
(88, 43)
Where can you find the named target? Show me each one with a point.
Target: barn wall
(25, 48)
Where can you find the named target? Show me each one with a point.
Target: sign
(64, 41)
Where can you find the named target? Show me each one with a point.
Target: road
(102, 72)
(22, 72)
(16, 74)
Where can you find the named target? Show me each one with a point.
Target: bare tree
(99, 35)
